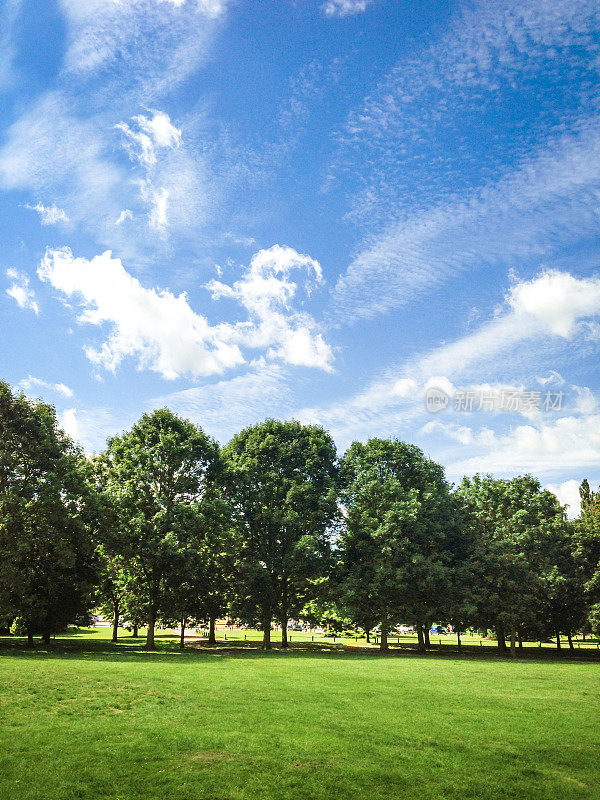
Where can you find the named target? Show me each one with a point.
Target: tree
(396, 549)
(199, 589)
(47, 517)
(516, 527)
(153, 474)
(587, 541)
(112, 588)
(281, 481)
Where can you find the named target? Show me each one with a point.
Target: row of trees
(164, 525)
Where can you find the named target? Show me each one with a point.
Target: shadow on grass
(81, 644)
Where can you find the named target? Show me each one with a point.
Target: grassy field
(88, 719)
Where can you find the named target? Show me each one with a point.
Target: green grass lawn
(88, 719)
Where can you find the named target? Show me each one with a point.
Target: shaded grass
(87, 719)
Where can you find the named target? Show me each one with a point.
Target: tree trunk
(500, 637)
(368, 632)
(182, 635)
(426, 631)
(513, 643)
(212, 638)
(134, 632)
(284, 633)
(46, 637)
(421, 645)
(115, 633)
(570, 640)
(151, 623)
(458, 638)
(29, 639)
(266, 645)
(558, 644)
(383, 642)
(520, 640)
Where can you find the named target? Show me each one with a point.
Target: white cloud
(49, 215)
(149, 134)
(156, 43)
(163, 332)
(69, 423)
(8, 18)
(559, 300)
(158, 200)
(396, 399)
(20, 292)
(123, 216)
(31, 384)
(563, 444)
(155, 326)
(91, 427)
(267, 292)
(529, 214)
(345, 8)
(568, 494)
(225, 407)
(49, 150)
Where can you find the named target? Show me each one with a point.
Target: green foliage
(396, 553)
(154, 475)
(47, 514)
(281, 481)
(525, 568)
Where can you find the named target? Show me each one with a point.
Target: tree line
(166, 526)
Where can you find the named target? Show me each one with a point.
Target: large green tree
(397, 549)
(281, 481)
(521, 539)
(201, 585)
(154, 474)
(47, 517)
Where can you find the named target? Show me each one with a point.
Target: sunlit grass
(88, 719)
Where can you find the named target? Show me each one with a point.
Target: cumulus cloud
(344, 8)
(568, 442)
(166, 335)
(145, 140)
(557, 299)
(20, 292)
(267, 292)
(158, 328)
(49, 215)
(31, 384)
(568, 494)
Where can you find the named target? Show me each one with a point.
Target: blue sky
(318, 209)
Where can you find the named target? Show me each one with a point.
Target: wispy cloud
(150, 44)
(31, 384)
(225, 407)
(344, 8)
(538, 320)
(436, 187)
(49, 215)
(528, 215)
(20, 291)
